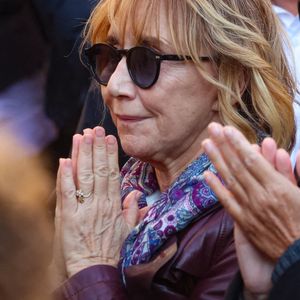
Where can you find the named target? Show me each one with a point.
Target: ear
(215, 106)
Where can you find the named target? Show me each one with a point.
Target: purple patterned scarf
(187, 198)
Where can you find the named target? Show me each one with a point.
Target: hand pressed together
(91, 231)
(261, 195)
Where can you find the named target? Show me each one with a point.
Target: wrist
(288, 258)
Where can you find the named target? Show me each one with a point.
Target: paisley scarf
(187, 198)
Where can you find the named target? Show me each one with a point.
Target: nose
(120, 84)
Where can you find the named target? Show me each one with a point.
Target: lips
(129, 118)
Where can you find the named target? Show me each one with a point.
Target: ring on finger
(80, 195)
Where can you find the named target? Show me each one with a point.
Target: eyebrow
(149, 41)
(155, 42)
(112, 40)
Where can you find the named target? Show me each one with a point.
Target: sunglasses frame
(93, 51)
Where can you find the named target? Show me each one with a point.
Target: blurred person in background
(23, 59)
(68, 80)
(25, 231)
(42, 87)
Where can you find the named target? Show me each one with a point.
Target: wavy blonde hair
(246, 43)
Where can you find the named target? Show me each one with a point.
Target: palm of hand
(256, 268)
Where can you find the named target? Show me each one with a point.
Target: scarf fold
(187, 198)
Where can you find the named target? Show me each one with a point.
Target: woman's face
(170, 118)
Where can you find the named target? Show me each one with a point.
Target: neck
(289, 5)
(171, 162)
(168, 171)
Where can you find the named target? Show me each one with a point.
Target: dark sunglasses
(143, 63)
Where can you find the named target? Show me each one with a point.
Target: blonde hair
(246, 43)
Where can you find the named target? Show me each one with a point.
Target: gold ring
(80, 196)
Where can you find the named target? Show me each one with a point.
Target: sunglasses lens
(143, 66)
(104, 61)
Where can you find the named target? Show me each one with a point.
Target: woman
(166, 69)
(267, 240)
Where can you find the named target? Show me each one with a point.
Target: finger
(223, 169)
(58, 207)
(58, 194)
(283, 165)
(256, 148)
(85, 175)
(233, 162)
(254, 162)
(88, 131)
(113, 172)
(143, 212)
(100, 164)
(268, 150)
(225, 197)
(69, 202)
(131, 209)
(58, 257)
(74, 155)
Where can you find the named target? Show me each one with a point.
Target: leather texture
(197, 263)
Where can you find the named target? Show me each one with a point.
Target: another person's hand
(92, 227)
(255, 267)
(261, 200)
(264, 202)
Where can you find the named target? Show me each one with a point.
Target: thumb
(131, 209)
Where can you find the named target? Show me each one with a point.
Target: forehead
(134, 20)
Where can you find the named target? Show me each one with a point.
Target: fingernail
(99, 131)
(208, 146)
(228, 132)
(111, 140)
(207, 177)
(87, 130)
(68, 163)
(214, 129)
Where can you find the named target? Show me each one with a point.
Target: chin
(136, 148)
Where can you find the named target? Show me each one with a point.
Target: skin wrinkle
(167, 166)
(177, 110)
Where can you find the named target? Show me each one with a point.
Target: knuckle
(234, 167)
(275, 192)
(230, 182)
(114, 174)
(101, 171)
(251, 159)
(68, 193)
(86, 177)
(86, 151)
(265, 200)
(99, 147)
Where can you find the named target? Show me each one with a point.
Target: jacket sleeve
(96, 282)
(214, 285)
